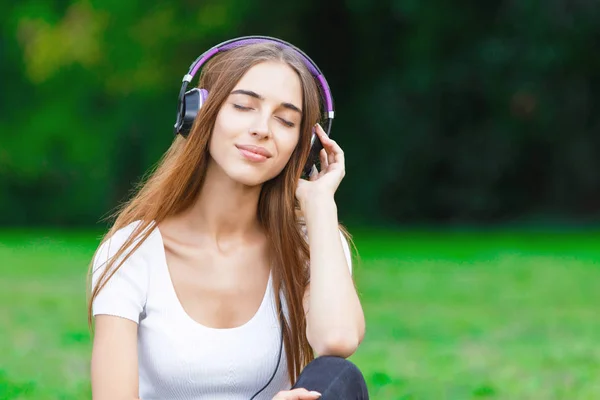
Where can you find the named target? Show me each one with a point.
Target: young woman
(227, 275)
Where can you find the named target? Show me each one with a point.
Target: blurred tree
(462, 111)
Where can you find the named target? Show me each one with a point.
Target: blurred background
(471, 133)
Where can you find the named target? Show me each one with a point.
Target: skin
(217, 238)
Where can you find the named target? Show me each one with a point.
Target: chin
(248, 178)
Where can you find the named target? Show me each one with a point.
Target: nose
(260, 129)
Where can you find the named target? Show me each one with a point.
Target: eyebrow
(258, 96)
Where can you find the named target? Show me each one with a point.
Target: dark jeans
(335, 378)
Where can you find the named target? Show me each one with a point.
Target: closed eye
(286, 123)
(283, 121)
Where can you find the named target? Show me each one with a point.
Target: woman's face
(258, 126)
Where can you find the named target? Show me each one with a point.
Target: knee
(335, 365)
(335, 378)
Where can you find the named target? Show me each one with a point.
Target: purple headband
(233, 43)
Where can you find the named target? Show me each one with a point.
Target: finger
(303, 394)
(326, 140)
(297, 394)
(310, 396)
(336, 156)
(331, 156)
(331, 147)
(314, 173)
(321, 134)
(324, 161)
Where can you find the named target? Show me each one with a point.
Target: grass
(450, 315)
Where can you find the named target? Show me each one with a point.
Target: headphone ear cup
(313, 155)
(192, 102)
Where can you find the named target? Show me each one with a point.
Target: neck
(224, 209)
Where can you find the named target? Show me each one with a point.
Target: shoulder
(111, 244)
(120, 279)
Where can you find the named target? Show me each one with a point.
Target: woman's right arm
(116, 310)
(114, 368)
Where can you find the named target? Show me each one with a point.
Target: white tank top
(180, 359)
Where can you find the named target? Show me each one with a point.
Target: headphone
(190, 101)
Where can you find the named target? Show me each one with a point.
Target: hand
(297, 394)
(332, 172)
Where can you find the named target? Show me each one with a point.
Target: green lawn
(475, 315)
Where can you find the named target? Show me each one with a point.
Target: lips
(261, 151)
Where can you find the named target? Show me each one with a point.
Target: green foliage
(447, 112)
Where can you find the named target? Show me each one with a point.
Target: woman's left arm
(334, 315)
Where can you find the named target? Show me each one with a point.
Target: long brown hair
(176, 182)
